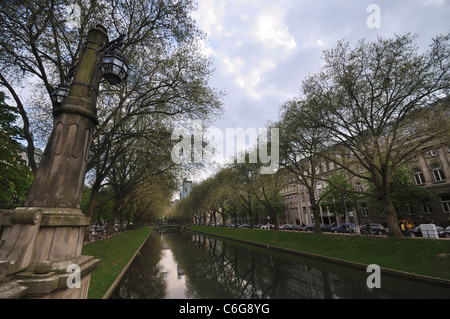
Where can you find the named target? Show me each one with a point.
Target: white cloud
(247, 78)
(247, 39)
(271, 30)
(210, 15)
(233, 66)
(435, 2)
(249, 82)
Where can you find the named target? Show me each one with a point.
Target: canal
(191, 266)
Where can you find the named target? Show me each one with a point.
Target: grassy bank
(428, 257)
(114, 252)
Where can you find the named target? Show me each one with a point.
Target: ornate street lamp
(60, 93)
(114, 67)
(60, 178)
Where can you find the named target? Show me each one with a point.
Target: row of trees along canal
(370, 110)
(130, 171)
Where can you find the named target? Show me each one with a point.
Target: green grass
(428, 257)
(114, 254)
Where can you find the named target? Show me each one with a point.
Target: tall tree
(301, 144)
(16, 177)
(268, 193)
(230, 194)
(150, 200)
(339, 195)
(380, 102)
(244, 177)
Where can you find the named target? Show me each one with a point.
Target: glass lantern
(60, 93)
(114, 67)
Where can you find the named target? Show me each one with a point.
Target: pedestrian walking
(407, 230)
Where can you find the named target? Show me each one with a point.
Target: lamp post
(42, 238)
(60, 178)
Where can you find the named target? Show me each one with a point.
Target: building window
(446, 203)
(438, 173)
(407, 210)
(426, 208)
(432, 153)
(364, 210)
(359, 187)
(419, 178)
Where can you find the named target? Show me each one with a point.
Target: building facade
(431, 170)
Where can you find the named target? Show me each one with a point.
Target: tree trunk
(121, 221)
(90, 209)
(315, 210)
(249, 212)
(116, 206)
(92, 200)
(391, 217)
(274, 218)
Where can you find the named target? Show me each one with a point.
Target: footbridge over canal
(168, 228)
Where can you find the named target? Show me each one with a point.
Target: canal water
(190, 266)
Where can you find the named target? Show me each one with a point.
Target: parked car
(344, 228)
(416, 232)
(303, 227)
(376, 229)
(324, 228)
(445, 233)
(288, 227)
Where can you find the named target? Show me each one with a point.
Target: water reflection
(196, 267)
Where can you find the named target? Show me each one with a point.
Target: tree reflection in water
(213, 269)
(145, 278)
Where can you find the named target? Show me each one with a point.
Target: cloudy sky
(263, 49)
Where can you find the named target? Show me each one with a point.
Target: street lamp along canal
(113, 66)
(60, 178)
(42, 238)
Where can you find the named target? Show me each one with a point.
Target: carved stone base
(41, 254)
(61, 235)
(52, 281)
(68, 293)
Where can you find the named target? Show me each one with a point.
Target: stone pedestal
(40, 254)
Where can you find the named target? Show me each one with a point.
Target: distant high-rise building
(186, 188)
